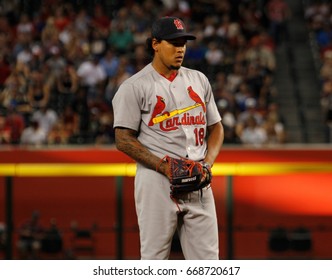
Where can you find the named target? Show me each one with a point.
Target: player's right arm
(126, 141)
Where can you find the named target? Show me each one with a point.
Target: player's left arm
(215, 139)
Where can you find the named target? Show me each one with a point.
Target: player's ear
(154, 44)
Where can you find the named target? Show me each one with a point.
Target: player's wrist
(207, 163)
(163, 167)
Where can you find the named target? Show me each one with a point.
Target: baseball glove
(187, 175)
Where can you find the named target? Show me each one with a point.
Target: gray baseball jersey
(171, 118)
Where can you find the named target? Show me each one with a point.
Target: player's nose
(180, 49)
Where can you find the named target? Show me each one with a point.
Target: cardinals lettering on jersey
(172, 120)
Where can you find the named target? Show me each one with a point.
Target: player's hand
(207, 173)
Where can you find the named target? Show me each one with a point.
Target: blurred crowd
(62, 61)
(319, 19)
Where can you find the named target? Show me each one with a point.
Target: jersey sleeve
(126, 107)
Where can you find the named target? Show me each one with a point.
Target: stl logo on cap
(178, 24)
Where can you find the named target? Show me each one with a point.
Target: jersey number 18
(199, 135)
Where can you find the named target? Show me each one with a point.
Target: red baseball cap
(167, 28)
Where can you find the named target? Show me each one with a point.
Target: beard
(173, 67)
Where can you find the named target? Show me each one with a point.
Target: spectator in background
(14, 86)
(81, 108)
(57, 135)
(222, 92)
(250, 111)
(249, 19)
(254, 78)
(5, 70)
(49, 34)
(37, 59)
(252, 133)
(30, 237)
(325, 72)
(16, 124)
(61, 17)
(25, 25)
(236, 77)
(46, 117)
(278, 13)
(39, 89)
(275, 131)
(76, 48)
(326, 103)
(209, 28)
(124, 71)
(241, 95)
(98, 42)
(14, 96)
(55, 63)
(260, 54)
(274, 125)
(228, 121)
(24, 55)
(139, 58)
(4, 130)
(214, 57)
(316, 9)
(238, 53)
(33, 135)
(66, 86)
(100, 20)
(92, 76)
(268, 92)
(39, 22)
(110, 62)
(6, 53)
(104, 133)
(69, 120)
(324, 36)
(7, 29)
(142, 24)
(21, 48)
(121, 38)
(195, 55)
(82, 22)
(274, 113)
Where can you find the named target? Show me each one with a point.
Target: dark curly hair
(148, 46)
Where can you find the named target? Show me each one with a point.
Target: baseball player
(169, 110)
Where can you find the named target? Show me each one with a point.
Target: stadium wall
(261, 203)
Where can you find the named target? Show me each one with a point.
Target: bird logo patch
(158, 109)
(194, 96)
